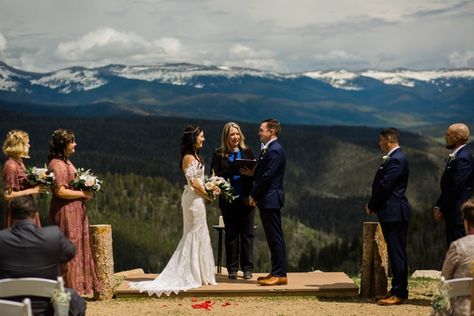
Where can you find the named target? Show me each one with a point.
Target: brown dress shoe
(392, 300)
(383, 297)
(273, 280)
(264, 277)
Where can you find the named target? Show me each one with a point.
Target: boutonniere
(263, 150)
(385, 158)
(452, 157)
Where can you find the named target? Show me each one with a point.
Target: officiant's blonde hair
(225, 149)
(16, 144)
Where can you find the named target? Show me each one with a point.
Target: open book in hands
(237, 164)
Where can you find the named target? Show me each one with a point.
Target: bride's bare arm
(196, 183)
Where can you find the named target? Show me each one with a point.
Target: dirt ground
(421, 291)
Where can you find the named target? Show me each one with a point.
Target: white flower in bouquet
(209, 186)
(39, 176)
(216, 186)
(85, 180)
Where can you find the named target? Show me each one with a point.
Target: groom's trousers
(271, 221)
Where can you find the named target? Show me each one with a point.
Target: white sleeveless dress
(192, 263)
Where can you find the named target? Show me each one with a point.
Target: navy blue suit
(270, 197)
(389, 202)
(457, 185)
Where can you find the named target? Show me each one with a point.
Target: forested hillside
(328, 178)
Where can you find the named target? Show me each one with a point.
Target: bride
(192, 263)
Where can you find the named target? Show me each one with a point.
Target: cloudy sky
(276, 35)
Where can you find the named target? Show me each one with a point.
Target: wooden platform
(299, 284)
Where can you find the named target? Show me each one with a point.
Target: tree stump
(472, 290)
(102, 252)
(374, 270)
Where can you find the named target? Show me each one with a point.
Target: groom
(268, 195)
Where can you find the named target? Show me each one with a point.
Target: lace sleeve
(191, 172)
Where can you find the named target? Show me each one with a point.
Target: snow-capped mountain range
(83, 79)
(317, 97)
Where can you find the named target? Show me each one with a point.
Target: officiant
(238, 215)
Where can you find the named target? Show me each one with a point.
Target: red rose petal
(204, 305)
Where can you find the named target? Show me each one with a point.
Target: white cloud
(244, 56)
(3, 42)
(334, 55)
(339, 58)
(460, 60)
(278, 34)
(110, 44)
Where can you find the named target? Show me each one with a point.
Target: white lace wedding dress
(192, 263)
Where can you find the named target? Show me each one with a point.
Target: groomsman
(457, 182)
(269, 196)
(389, 202)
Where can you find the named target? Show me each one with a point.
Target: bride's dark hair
(188, 143)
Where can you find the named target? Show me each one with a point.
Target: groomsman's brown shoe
(264, 277)
(392, 300)
(383, 297)
(273, 280)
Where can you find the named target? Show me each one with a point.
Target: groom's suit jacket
(388, 199)
(268, 185)
(457, 186)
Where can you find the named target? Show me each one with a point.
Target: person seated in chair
(30, 251)
(460, 257)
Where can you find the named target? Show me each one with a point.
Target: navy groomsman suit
(457, 185)
(270, 197)
(389, 202)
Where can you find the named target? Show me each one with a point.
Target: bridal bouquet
(39, 176)
(85, 180)
(216, 186)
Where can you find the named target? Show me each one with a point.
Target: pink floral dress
(14, 179)
(71, 217)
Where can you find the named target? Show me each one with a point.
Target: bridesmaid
(16, 147)
(68, 211)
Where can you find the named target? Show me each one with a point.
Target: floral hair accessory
(193, 131)
(59, 132)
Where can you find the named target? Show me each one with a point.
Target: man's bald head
(456, 135)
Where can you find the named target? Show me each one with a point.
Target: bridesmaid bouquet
(85, 180)
(39, 176)
(216, 186)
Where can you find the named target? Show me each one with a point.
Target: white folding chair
(30, 287)
(457, 287)
(11, 308)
